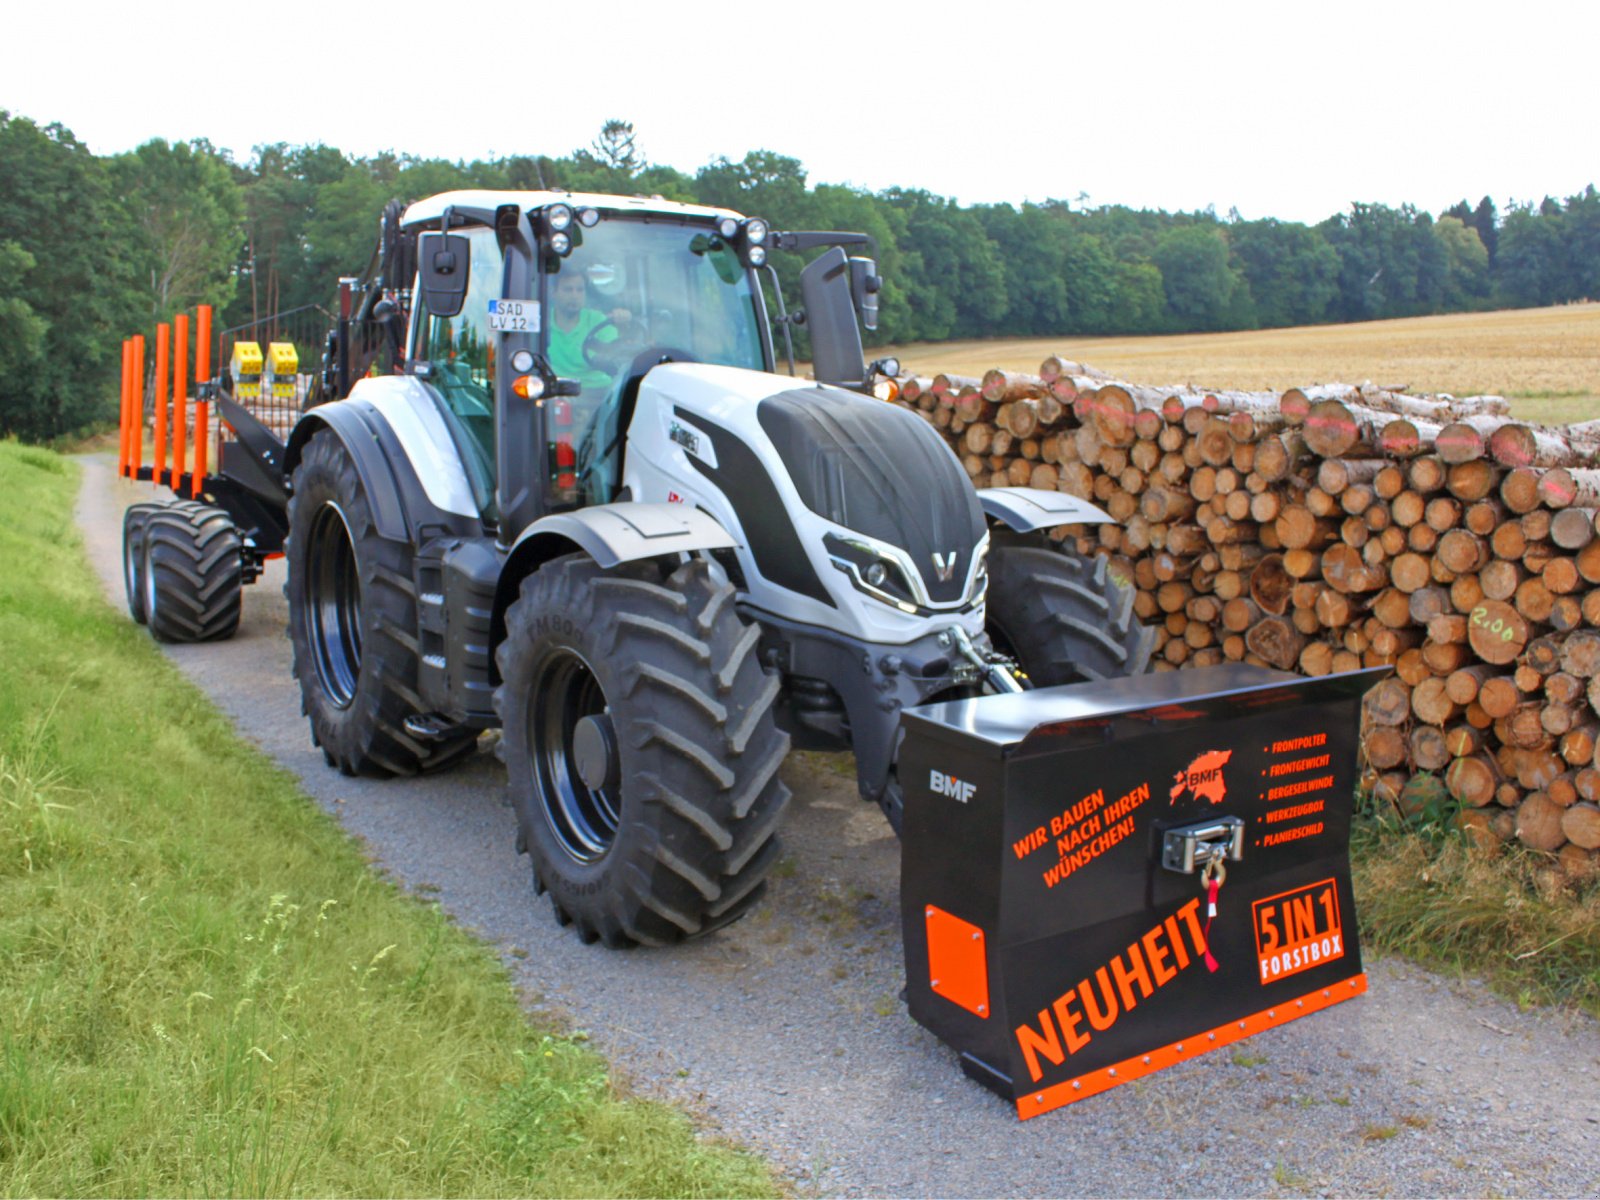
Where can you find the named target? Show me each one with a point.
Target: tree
(1530, 266)
(1292, 272)
(1390, 263)
(1466, 282)
(1199, 281)
(21, 329)
(615, 147)
(188, 212)
(67, 292)
(1580, 235)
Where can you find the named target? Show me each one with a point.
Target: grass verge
(1426, 892)
(205, 988)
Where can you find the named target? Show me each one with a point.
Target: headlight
(877, 576)
(588, 217)
(756, 255)
(728, 228)
(557, 217)
(755, 231)
(561, 244)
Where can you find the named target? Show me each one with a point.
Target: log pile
(1329, 528)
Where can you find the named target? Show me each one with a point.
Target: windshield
(632, 285)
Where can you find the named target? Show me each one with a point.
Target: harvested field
(1546, 360)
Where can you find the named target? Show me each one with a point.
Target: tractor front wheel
(1063, 616)
(640, 748)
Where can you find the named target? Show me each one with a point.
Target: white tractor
(583, 506)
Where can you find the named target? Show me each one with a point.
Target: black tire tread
(370, 737)
(195, 556)
(1066, 617)
(702, 800)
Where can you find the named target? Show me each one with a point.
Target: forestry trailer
(548, 480)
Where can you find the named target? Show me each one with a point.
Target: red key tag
(1212, 879)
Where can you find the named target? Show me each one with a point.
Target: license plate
(514, 316)
(1298, 930)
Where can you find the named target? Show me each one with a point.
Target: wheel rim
(333, 605)
(147, 579)
(583, 818)
(130, 568)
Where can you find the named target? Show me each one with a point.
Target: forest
(93, 248)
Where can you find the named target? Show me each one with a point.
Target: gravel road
(783, 1032)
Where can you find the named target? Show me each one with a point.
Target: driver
(571, 325)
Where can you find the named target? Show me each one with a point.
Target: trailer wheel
(640, 748)
(134, 520)
(1063, 616)
(191, 572)
(352, 621)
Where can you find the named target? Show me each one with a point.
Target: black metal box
(1057, 869)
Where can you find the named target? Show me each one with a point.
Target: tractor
(549, 479)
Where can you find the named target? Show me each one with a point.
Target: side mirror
(831, 319)
(444, 261)
(865, 284)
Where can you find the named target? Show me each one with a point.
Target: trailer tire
(352, 624)
(134, 519)
(191, 573)
(640, 748)
(1063, 616)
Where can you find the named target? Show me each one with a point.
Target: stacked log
(1328, 528)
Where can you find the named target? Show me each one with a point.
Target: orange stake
(123, 422)
(180, 397)
(202, 408)
(163, 402)
(136, 436)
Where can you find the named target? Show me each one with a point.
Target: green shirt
(566, 348)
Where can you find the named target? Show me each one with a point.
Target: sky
(1287, 110)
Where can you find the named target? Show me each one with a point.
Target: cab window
(461, 350)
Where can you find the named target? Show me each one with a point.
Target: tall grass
(204, 989)
(1424, 890)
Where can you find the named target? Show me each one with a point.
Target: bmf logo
(949, 785)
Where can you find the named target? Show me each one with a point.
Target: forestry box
(1063, 851)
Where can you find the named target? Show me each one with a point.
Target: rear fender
(608, 533)
(403, 452)
(1026, 509)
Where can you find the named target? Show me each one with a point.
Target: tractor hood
(880, 471)
(849, 513)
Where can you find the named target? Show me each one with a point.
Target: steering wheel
(609, 355)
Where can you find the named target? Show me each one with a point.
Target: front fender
(1026, 509)
(608, 533)
(623, 532)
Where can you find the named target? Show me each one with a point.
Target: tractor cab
(536, 315)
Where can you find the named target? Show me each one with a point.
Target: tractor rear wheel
(640, 748)
(190, 573)
(134, 519)
(352, 625)
(1063, 617)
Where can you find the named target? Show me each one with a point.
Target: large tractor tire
(640, 749)
(1063, 617)
(134, 519)
(191, 572)
(352, 623)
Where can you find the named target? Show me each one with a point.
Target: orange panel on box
(958, 965)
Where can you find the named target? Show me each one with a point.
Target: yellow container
(245, 368)
(282, 365)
